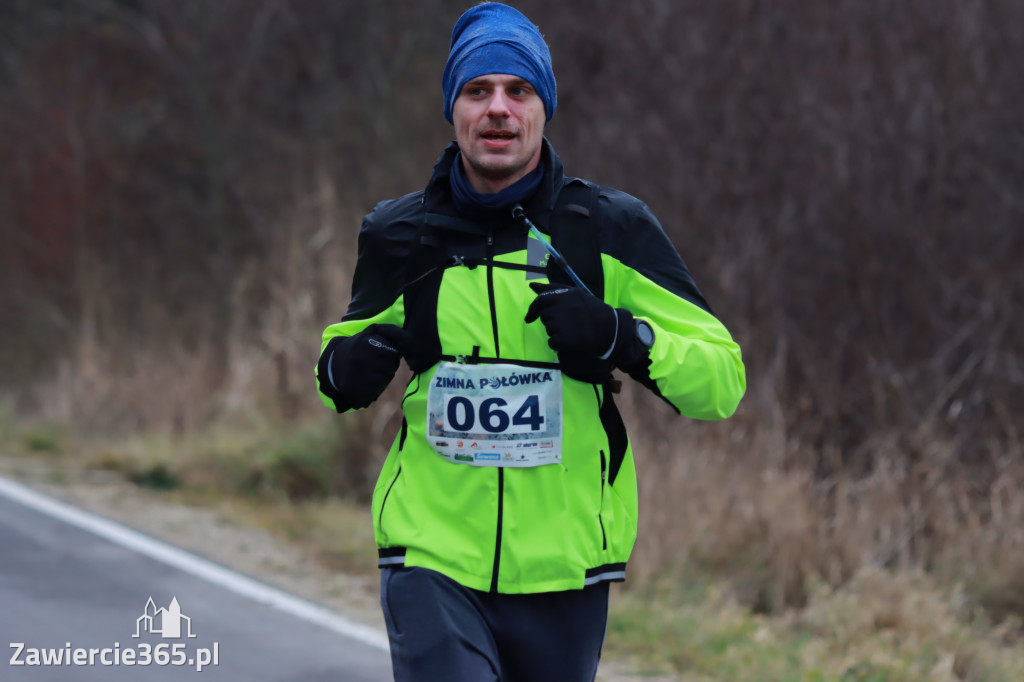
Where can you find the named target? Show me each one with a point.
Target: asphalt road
(72, 581)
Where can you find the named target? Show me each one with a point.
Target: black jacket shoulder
(399, 210)
(385, 242)
(630, 233)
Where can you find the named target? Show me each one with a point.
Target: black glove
(355, 370)
(575, 321)
(582, 328)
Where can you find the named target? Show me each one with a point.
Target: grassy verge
(254, 474)
(685, 620)
(880, 627)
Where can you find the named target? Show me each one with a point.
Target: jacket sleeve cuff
(627, 351)
(333, 352)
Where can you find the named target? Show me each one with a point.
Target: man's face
(499, 126)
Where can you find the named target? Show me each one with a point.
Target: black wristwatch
(644, 334)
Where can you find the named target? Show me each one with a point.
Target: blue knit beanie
(495, 38)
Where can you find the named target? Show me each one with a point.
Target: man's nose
(498, 106)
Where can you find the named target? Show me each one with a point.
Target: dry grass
(882, 626)
(726, 498)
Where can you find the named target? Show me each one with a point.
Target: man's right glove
(355, 370)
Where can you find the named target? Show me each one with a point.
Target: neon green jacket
(544, 528)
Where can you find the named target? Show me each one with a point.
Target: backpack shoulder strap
(574, 230)
(423, 275)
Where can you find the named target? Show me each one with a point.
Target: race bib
(495, 415)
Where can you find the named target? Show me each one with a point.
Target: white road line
(192, 564)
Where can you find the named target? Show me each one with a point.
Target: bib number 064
(494, 415)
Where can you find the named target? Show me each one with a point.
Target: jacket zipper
(497, 354)
(604, 476)
(490, 291)
(497, 540)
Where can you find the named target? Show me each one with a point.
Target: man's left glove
(580, 324)
(355, 370)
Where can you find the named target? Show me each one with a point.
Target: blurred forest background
(181, 184)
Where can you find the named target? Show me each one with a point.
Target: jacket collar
(437, 198)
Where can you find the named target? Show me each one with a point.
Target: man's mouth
(498, 135)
